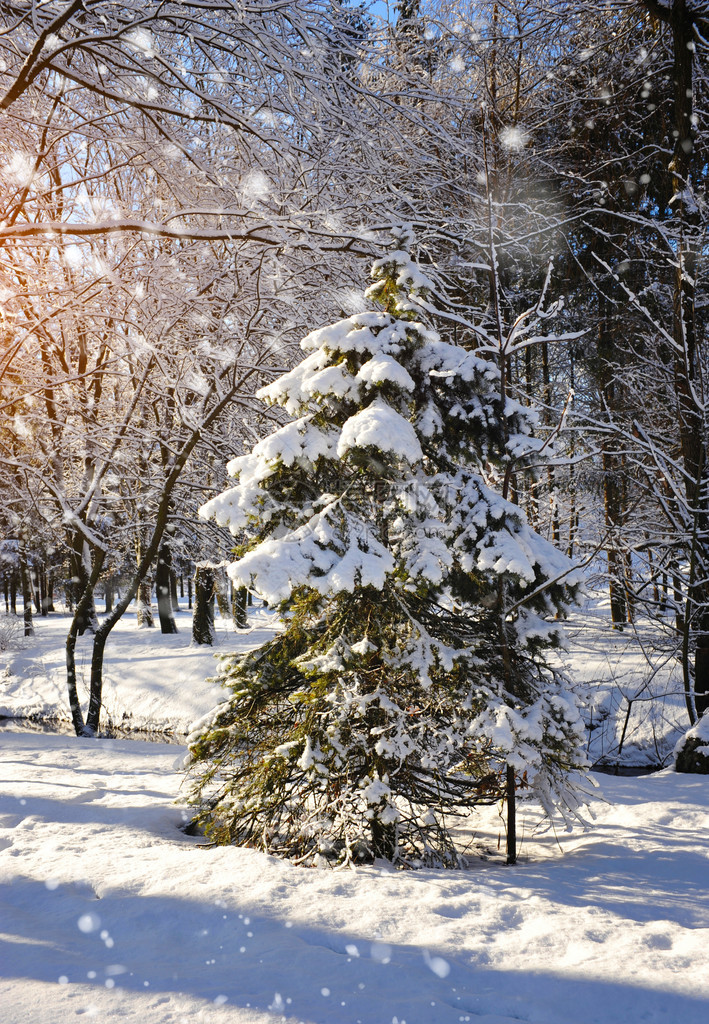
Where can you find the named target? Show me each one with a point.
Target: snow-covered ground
(151, 682)
(109, 911)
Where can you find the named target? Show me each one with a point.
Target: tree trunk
(79, 561)
(239, 602)
(163, 586)
(221, 594)
(85, 602)
(144, 607)
(36, 578)
(93, 717)
(546, 419)
(611, 403)
(383, 839)
(701, 674)
(687, 367)
(26, 579)
(50, 591)
(203, 618)
(77, 715)
(616, 564)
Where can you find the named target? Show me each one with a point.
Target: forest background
(189, 189)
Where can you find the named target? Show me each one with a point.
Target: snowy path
(108, 910)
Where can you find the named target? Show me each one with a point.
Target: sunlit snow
(605, 926)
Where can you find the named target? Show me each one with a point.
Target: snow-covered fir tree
(417, 603)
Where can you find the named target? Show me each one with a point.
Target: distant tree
(409, 680)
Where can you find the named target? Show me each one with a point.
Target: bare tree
(160, 208)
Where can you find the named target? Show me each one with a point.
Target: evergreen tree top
(393, 426)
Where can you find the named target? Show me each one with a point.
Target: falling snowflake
(514, 139)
